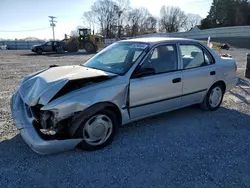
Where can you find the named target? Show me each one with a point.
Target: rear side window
(194, 56)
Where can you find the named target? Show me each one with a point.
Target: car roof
(155, 40)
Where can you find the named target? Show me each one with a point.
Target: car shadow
(243, 85)
(49, 54)
(189, 139)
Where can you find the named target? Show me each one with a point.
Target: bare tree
(144, 15)
(192, 21)
(133, 21)
(121, 12)
(140, 21)
(172, 19)
(89, 19)
(150, 24)
(105, 11)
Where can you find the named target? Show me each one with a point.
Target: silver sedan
(62, 107)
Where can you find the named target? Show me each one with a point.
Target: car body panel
(41, 88)
(115, 94)
(135, 98)
(23, 122)
(151, 89)
(197, 81)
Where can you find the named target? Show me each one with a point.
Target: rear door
(158, 92)
(199, 72)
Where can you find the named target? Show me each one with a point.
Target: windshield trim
(125, 72)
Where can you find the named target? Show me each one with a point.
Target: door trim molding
(170, 98)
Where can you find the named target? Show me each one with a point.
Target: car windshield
(117, 58)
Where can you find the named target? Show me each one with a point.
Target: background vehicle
(90, 42)
(50, 46)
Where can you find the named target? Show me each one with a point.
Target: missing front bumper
(24, 122)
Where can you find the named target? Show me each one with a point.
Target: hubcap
(97, 129)
(215, 97)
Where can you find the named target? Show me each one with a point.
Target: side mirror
(140, 72)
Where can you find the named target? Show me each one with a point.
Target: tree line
(116, 18)
(225, 13)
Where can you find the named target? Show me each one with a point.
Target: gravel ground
(184, 148)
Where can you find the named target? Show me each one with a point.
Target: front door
(48, 47)
(161, 91)
(198, 73)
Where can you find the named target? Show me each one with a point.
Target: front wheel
(39, 51)
(90, 47)
(98, 130)
(214, 98)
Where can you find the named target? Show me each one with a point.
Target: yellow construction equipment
(90, 42)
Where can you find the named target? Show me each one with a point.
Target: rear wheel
(90, 47)
(98, 130)
(39, 51)
(213, 98)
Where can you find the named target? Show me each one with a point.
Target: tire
(213, 98)
(89, 47)
(39, 51)
(72, 47)
(92, 121)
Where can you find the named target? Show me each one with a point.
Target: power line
(24, 30)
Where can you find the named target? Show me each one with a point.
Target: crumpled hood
(41, 88)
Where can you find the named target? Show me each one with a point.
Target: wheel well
(116, 110)
(110, 106)
(222, 83)
(79, 117)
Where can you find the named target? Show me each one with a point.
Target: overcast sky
(19, 15)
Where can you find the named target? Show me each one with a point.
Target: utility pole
(52, 24)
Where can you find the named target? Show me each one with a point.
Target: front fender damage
(72, 111)
(80, 117)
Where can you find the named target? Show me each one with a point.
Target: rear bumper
(24, 122)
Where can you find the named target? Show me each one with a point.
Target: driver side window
(163, 59)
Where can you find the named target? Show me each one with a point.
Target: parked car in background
(83, 105)
(50, 46)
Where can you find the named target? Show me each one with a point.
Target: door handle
(212, 73)
(176, 80)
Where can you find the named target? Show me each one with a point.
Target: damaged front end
(44, 130)
(28, 126)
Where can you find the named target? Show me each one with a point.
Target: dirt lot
(184, 148)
